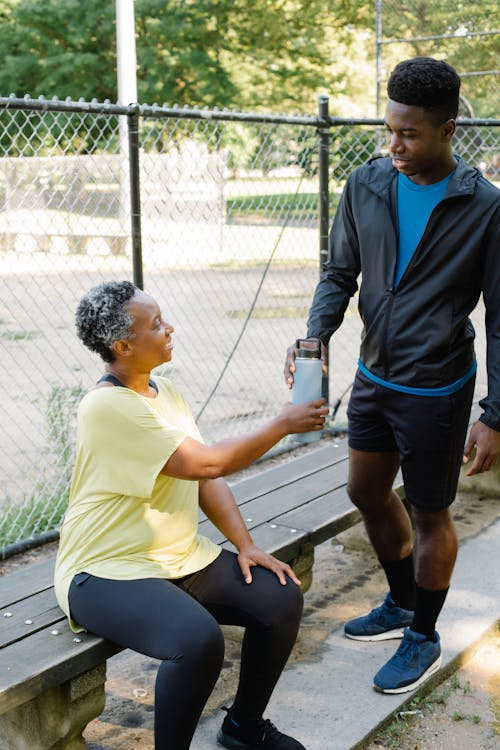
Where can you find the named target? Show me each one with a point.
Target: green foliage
(55, 133)
(63, 48)
(468, 54)
(349, 148)
(273, 54)
(44, 508)
(61, 411)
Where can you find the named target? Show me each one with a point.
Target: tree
(271, 54)
(469, 49)
(268, 55)
(57, 48)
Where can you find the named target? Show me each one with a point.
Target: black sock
(401, 578)
(240, 721)
(428, 605)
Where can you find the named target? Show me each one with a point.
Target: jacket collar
(378, 174)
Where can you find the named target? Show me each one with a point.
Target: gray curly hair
(101, 317)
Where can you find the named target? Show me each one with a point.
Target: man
(421, 227)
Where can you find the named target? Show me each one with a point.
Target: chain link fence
(221, 216)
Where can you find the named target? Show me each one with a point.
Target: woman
(131, 566)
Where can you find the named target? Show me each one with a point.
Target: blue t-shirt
(415, 205)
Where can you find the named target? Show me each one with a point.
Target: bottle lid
(307, 353)
(308, 348)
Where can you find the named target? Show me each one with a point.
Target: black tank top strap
(109, 378)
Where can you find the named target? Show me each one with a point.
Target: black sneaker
(259, 735)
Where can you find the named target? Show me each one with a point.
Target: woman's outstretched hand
(304, 417)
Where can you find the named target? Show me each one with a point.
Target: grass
(254, 264)
(271, 312)
(19, 335)
(393, 734)
(459, 716)
(300, 208)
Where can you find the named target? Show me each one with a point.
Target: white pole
(125, 52)
(127, 94)
(378, 53)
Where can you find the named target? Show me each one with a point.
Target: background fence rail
(220, 215)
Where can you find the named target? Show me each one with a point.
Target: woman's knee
(208, 648)
(284, 606)
(200, 651)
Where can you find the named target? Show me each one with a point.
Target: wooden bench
(52, 681)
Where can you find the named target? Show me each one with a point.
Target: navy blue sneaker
(258, 735)
(381, 624)
(414, 662)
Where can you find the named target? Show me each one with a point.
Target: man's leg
(435, 555)
(374, 460)
(369, 486)
(371, 477)
(436, 548)
(430, 434)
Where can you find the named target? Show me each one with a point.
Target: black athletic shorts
(428, 432)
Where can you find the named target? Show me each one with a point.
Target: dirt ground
(462, 713)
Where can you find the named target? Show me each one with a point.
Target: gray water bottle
(307, 379)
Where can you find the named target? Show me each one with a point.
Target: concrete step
(329, 703)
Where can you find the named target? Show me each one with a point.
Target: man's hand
(250, 556)
(486, 441)
(290, 363)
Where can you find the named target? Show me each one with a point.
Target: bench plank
(286, 473)
(29, 616)
(268, 507)
(26, 581)
(277, 539)
(28, 668)
(323, 517)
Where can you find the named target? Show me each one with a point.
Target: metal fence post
(324, 219)
(135, 197)
(324, 137)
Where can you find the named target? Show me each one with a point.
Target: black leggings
(176, 622)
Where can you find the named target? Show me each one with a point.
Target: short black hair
(101, 317)
(428, 83)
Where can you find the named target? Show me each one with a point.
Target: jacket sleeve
(491, 297)
(339, 275)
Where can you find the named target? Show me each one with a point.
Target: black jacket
(418, 334)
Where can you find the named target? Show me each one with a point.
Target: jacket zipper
(435, 211)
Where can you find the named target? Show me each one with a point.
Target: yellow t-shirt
(125, 520)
